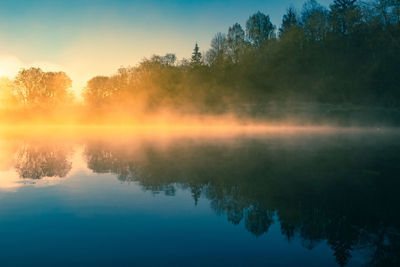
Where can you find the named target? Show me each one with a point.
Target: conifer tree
(196, 55)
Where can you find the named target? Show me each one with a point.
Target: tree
(218, 51)
(56, 85)
(388, 11)
(98, 90)
(169, 59)
(235, 41)
(344, 16)
(315, 21)
(289, 20)
(28, 85)
(259, 29)
(343, 4)
(347, 53)
(36, 87)
(196, 56)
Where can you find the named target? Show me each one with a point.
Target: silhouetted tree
(259, 29)
(169, 59)
(235, 42)
(217, 55)
(315, 21)
(289, 20)
(196, 56)
(344, 16)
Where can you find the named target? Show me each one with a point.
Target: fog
(325, 67)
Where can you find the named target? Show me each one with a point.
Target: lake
(291, 198)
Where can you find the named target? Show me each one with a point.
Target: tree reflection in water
(35, 161)
(341, 190)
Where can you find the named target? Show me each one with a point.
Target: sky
(86, 38)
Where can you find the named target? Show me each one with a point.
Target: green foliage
(315, 19)
(345, 55)
(259, 29)
(289, 21)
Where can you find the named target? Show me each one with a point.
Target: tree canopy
(34, 87)
(344, 54)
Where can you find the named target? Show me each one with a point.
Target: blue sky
(89, 37)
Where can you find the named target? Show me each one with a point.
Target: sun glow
(164, 130)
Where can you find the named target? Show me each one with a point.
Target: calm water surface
(276, 200)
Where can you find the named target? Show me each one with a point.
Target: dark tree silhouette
(236, 42)
(196, 56)
(259, 29)
(257, 184)
(218, 53)
(289, 21)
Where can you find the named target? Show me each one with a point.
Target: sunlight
(210, 133)
(9, 65)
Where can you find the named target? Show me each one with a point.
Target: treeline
(36, 96)
(35, 88)
(348, 53)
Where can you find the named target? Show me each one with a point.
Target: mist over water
(278, 146)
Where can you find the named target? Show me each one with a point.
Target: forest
(341, 60)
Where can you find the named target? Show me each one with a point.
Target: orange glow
(210, 129)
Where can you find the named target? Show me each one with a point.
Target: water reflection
(35, 161)
(338, 189)
(341, 190)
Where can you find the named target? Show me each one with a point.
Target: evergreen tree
(196, 55)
